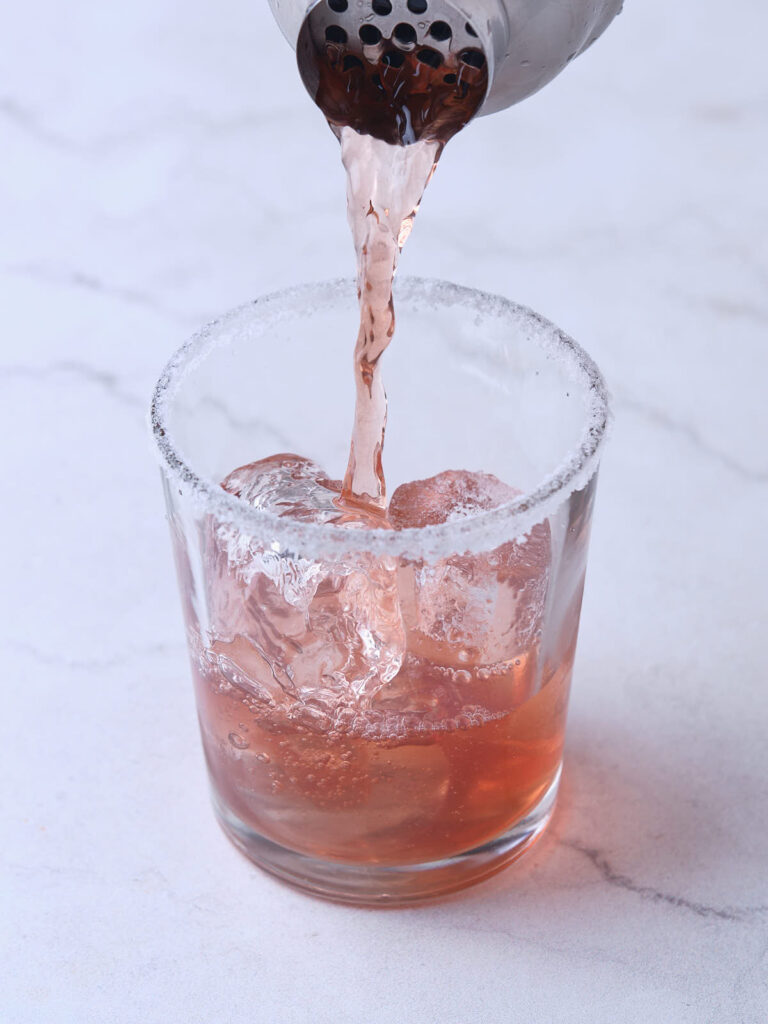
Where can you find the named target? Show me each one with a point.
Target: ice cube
(446, 497)
(316, 631)
(470, 609)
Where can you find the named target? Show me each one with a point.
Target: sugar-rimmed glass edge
(482, 531)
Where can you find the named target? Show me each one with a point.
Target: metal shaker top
(527, 43)
(399, 70)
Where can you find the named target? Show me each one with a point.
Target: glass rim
(483, 530)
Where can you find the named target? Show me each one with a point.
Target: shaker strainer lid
(400, 70)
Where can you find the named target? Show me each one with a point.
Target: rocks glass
(382, 701)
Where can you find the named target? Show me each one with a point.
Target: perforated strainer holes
(335, 34)
(430, 57)
(393, 59)
(405, 33)
(440, 30)
(397, 70)
(473, 58)
(370, 35)
(470, 30)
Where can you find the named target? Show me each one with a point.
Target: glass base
(374, 885)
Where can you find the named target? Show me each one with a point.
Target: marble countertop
(160, 163)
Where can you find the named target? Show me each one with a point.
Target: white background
(160, 163)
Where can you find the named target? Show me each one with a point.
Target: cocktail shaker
(526, 43)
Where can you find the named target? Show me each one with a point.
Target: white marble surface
(160, 163)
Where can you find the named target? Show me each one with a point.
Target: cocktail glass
(382, 704)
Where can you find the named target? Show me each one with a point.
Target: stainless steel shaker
(526, 42)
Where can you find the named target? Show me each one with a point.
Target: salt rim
(482, 531)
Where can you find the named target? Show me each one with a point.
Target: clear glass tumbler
(382, 707)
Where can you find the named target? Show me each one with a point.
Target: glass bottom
(371, 885)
